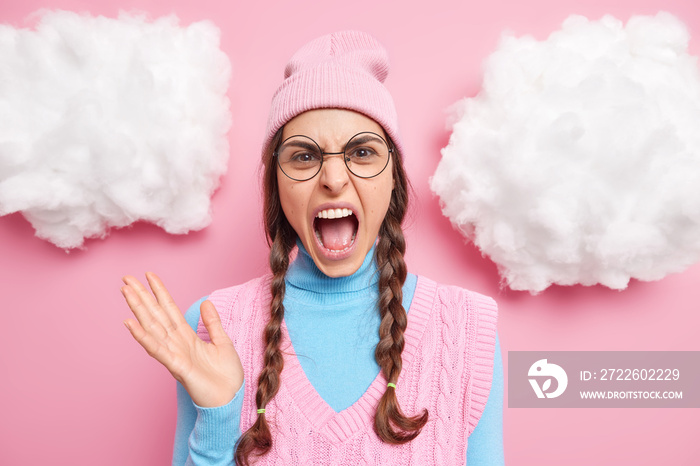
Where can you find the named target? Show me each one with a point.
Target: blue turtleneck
(332, 323)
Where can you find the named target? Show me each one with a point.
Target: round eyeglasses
(366, 155)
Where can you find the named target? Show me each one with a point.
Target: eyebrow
(365, 138)
(303, 144)
(313, 147)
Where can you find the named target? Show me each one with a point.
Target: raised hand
(210, 372)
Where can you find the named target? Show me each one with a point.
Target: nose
(334, 173)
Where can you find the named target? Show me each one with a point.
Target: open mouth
(336, 229)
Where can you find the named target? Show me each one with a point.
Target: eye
(301, 158)
(362, 154)
(305, 157)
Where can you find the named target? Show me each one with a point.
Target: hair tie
(261, 411)
(391, 385)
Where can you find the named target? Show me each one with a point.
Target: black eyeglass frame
(345, 158)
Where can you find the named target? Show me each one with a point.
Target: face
(338, 246)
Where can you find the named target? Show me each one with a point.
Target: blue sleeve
(205, 436)
(485, 447)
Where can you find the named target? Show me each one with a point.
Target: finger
(165, 300)
(145, 317)
(147, 341)
(149, 302)
(139, 289)
(212, 322)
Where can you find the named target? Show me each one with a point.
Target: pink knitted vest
(447, 369)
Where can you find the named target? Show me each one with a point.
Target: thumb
(212, 322)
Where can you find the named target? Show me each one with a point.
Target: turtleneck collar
(304, 274)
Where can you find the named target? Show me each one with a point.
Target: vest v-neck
(333, 324)
(359, 416)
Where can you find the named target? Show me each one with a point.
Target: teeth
(334, 213)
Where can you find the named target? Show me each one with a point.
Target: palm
(210, 372)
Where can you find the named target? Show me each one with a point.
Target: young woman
(338, 356)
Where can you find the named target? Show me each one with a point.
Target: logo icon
(544, 369)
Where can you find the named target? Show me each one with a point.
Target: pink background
(74, 387)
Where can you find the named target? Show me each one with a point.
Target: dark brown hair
(390, 423)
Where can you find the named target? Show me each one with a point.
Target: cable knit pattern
(448, 363)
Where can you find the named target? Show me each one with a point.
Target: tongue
(336, 233)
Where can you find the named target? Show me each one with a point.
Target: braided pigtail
(257, 440)
(390, 423)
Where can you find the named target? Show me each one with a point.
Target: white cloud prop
(579, 161)
(110, 121)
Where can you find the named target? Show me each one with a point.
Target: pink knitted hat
(339, 70)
